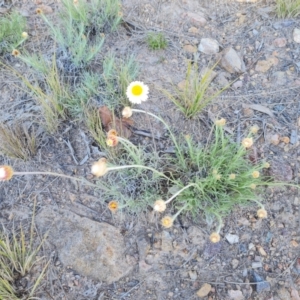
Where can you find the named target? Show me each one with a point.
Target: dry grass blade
(18, 141)
(17, 257)
(288, 8)
(195, 94)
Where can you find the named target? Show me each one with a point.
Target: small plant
(49, 91)
(156, 41)
(17, 257)
(18, 141)
(194, 96)
(11, 28)
(98, 16)
(288, 8)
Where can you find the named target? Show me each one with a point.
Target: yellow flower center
(137, 90)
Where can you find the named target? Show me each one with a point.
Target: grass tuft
(156, 41)
(18, 141)
(17, 256)
(194, 96)
(288, 8)
(11, 28)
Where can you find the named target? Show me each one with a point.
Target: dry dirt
(177, 263)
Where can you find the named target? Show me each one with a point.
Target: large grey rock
(231, 61)
(208, 46)
(92, 249)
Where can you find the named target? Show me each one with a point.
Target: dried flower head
(15, 52)
(112, 132)
(159, 205)
(39, 11)
(112, 141)
(127, 112)
(220, 122)
(255, 174)
(137, 92)
(167, 221)
(113, 206)
(266, 165)
(254, 129)
(99, 168)
(215, 172)
(247, 142)
(232, 176)
(24, 35)
(218, 176)
(75, 2)
(253, 186)
(215, 237)
(262, 213)
(6, 173)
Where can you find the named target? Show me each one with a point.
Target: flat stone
(264, 65)
(204, 290)
(261, 285)
(190, 48)
(197, 19)
(236, 295)
(296, 35)
(232, 238)
(256, 264)
(231, 61)
(280, 42)
(46, 9)
(235, 263)
(193, 30)
(91, 248)
(208, 46)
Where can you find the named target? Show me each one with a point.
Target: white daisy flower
(137, 92)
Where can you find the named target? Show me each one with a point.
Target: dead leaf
(295, 295)
(105, 115)
(260, 108)
(122, 126)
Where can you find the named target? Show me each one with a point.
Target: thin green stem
(180, 210)
(168, 128)
(177, 193)
(142, 167)
(58, 175)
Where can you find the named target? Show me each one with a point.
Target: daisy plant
(211, 180)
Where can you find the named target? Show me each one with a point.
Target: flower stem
(180, 210)
(139, 166)
(177, 193)
(168, 128)
(58, 175)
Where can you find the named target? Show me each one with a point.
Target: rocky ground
(137, 258)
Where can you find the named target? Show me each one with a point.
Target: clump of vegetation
(288, 8)
(18, 140)
(81, 30)
(11, 28)
(17, 257)
(156, 41)
(194, 95)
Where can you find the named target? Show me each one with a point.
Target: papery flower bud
(215, 237)
(159, 205)
(127, 112)
(262, 213)
(247, 142)
(6, 173)
(99, 168)
(167, 221)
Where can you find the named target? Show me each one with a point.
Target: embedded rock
(296, 35)
(231, 61)
(91, 248)
(208, 46)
